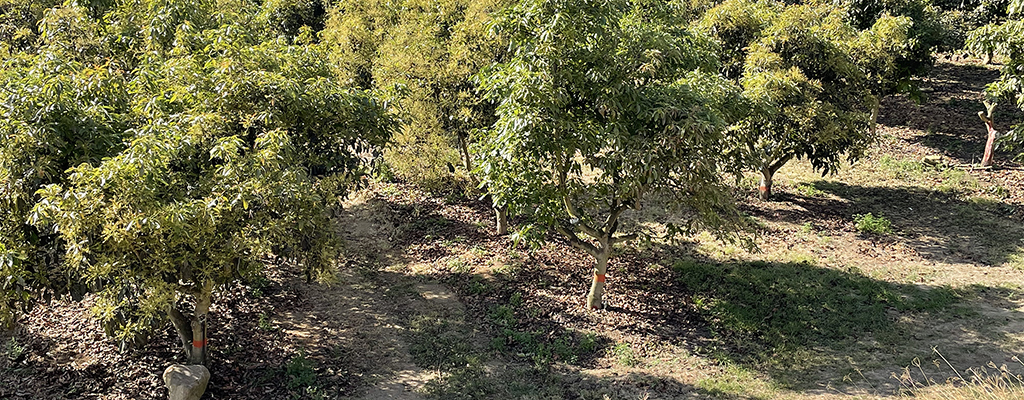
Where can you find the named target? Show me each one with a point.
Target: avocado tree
(895, 45)
(1007, 41)
(431, 50)
(61, 104)
(809, 93)
(602, 104)
(811, 98)
(235, 142)
(428, 51)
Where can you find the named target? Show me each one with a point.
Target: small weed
(439, 343)
(503, 316)
(14, 350)
(258, 285)
(510, 269)
(477, 251)
(516, 300)
(809, 190)
(478, 286)
(807, 228)
(300, 371)
(264, 323)
(624, 354)
(458, 266)
(998, 191)
(868, 223)
(1016, 260)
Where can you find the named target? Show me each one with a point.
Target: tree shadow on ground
(502, 345)
(805, 326)
(939, 225)
(948, 120)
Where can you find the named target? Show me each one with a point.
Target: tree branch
(613, 218)
(577, 215)
(625, 238)
(181, 325)
(575, 240)
(774, 167)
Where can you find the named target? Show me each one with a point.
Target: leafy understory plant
(868, 223)
(600, 105)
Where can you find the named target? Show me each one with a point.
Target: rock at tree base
(186, 382)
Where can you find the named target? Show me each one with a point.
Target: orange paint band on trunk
(599, 277)
(763, 188)
(199, 343)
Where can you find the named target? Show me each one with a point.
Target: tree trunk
(765, 188)
(501, 214)
(192, 331)
(200, 350)
(594, 299)
(467, 160)
(986, 161)
(874, 117)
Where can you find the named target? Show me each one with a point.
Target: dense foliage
(813, 78)
(209, 145)
(426, 52)
(155, 149)
(601, 105)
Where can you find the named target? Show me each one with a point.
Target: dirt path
(370, 309)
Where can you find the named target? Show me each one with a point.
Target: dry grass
(990, 382)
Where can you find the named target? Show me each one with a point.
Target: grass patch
(439, 343)
(302, 378)
(625, 356)
(771, 314)
(949, 180)
(809, 190)
(539, 347)
(735, 382)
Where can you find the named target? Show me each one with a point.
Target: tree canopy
(212, 145)
(426, 52)
(601, 104)
(1006, 40)
(813, 79)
